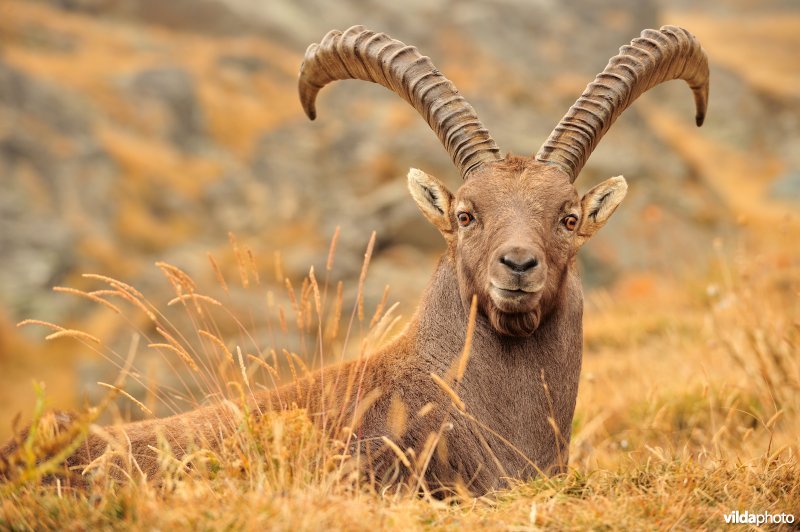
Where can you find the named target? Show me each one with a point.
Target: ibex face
(514, 226)
(513, 230)
(515, 244)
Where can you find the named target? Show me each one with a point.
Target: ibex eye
(464, 219)
(570, 221)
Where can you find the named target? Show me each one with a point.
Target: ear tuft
(432, 197)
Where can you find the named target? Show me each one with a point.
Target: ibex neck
(441, 321)
(504, 383)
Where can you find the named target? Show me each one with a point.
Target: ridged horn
(362, 54)
(655, 57)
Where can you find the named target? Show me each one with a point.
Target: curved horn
(362, 54)
(655, 57)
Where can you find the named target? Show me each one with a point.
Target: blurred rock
(172, 89)
(205, 16)
(27, 97)
(55, 189)
(786, 187)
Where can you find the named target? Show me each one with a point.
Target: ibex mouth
(515, 299)
(518, 290)
(505, 292)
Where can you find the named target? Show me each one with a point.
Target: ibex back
(512, 231)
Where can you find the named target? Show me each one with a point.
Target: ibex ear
(432, 198)
(598, 205)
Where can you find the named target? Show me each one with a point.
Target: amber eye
(570, 221)
(464, 219)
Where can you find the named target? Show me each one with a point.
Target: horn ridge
(358, 53)
(649, 60)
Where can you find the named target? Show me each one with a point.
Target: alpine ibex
(512, 231)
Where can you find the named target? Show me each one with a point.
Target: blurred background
(134, 131)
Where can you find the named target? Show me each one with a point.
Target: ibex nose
(519, 260)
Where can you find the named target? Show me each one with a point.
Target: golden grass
(674, 428)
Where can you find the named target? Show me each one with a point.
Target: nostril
(530, 264)
(519, 265)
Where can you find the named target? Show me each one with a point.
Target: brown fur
(526, 354)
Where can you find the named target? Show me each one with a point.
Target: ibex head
(513, 229)
(514, 226)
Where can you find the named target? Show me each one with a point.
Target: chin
(516, 323)
(514, 316)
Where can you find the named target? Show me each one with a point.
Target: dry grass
(688, 409)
